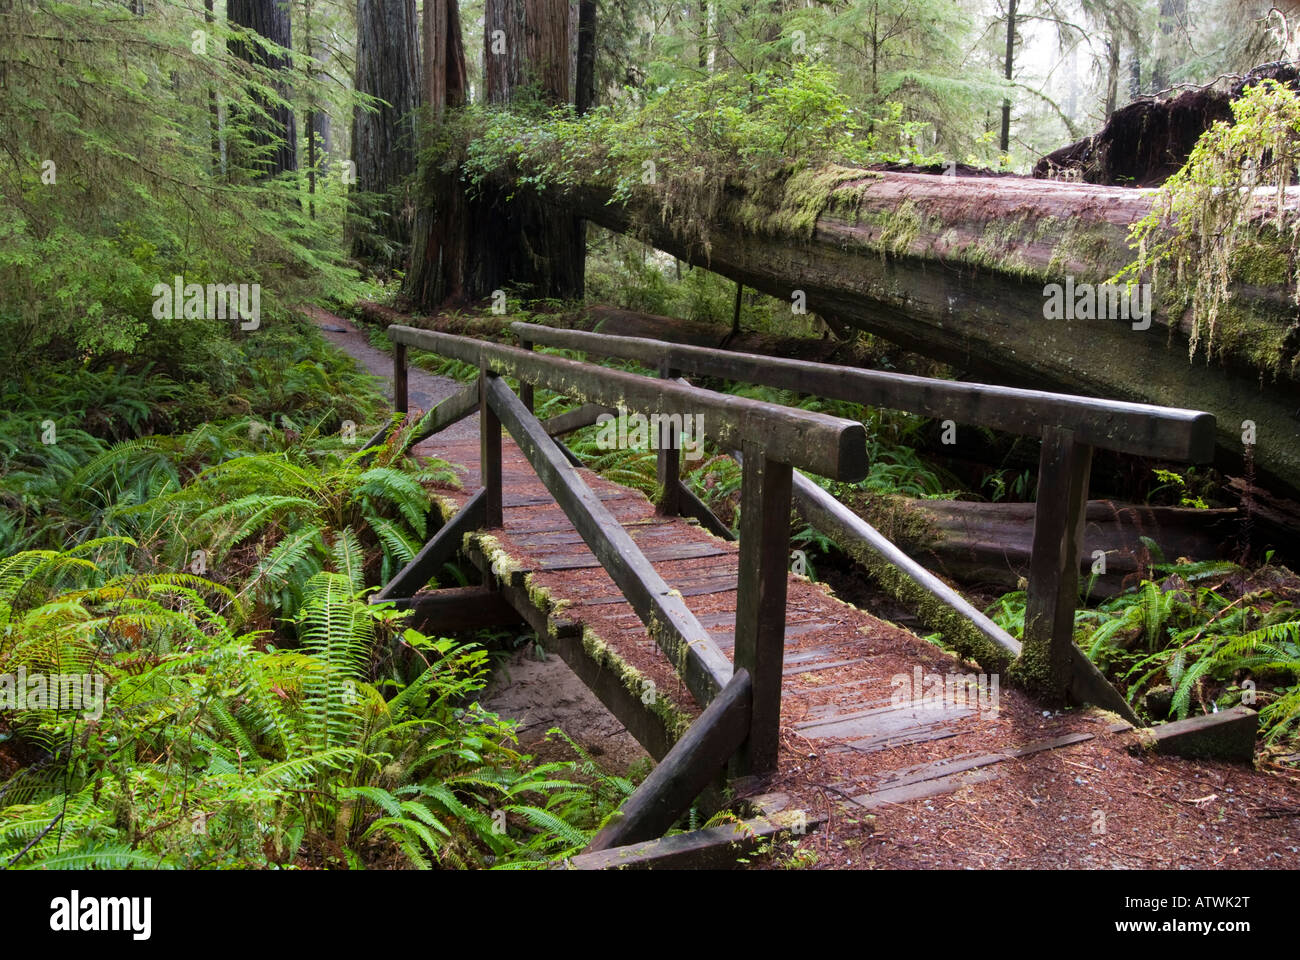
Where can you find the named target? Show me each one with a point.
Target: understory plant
(212, 748)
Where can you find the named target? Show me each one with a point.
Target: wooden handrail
(830, 446)
(1070, 427)
(1167, 433)
(672, 625)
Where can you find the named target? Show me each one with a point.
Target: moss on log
(956, 269)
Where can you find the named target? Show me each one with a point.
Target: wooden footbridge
(725, 666)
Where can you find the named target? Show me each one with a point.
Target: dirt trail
(540, 694)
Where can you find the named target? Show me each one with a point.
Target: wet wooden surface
(844, 726)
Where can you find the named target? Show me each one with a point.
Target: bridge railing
(742, 716)
(1070, 428)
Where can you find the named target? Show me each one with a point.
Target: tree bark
(214, 112)
(959, 275)
(1112, 73)
(443, 223)
(384, 143)
(520, 243)
(584, 95)
(276, 140)
(1009, 65)
(990, 543)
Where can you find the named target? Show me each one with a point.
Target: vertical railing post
(760, 600)
(668, 470)
(489, 452)
(1053, 590)
(399, 377)
(526, 389)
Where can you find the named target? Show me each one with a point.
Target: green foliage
(111, 159)
(1214, 224)
(212, 751)
(672, 155)
(1209, 631)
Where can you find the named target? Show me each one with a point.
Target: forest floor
(538, 693)
(1073, 795)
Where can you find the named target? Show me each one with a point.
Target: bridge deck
(840, 730)
(1022, 789)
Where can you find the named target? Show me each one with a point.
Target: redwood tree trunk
(384, 143)
(277, 140)
(517, 241)
(1009, 64)
(444, 220)
(467, 248)
(584, 97)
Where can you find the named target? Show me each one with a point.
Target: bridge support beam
(416, 575)
(693, 762)
(760, 600)
(399, 378)
(1047, 663)
(489, 452)
(668, 466)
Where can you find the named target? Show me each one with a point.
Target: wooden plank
(1226, 735)
(642, 531)
(819, 665)
(380, 436)
(649, 727)
(441, 547)
(829, 446)
(693, 762)
(399, 377)
(708, 848)
(460, 608)
(451, 410)
(1053, 590)
(668, 466)
(887, 726)
(569, 455)
(1150, 431)
(545, 499)
(946, 776)
(687, 588)
(925, 788)
(526, 389)
(704, 668)
(683, 551)
(689, 505)
(858, 538)
(584, 416)
(489, 454)
(760, 600)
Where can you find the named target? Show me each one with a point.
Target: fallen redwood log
(989, 543)
(956, 269)
(634, 323)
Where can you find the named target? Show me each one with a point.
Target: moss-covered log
(989, 543)
(956, 269)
